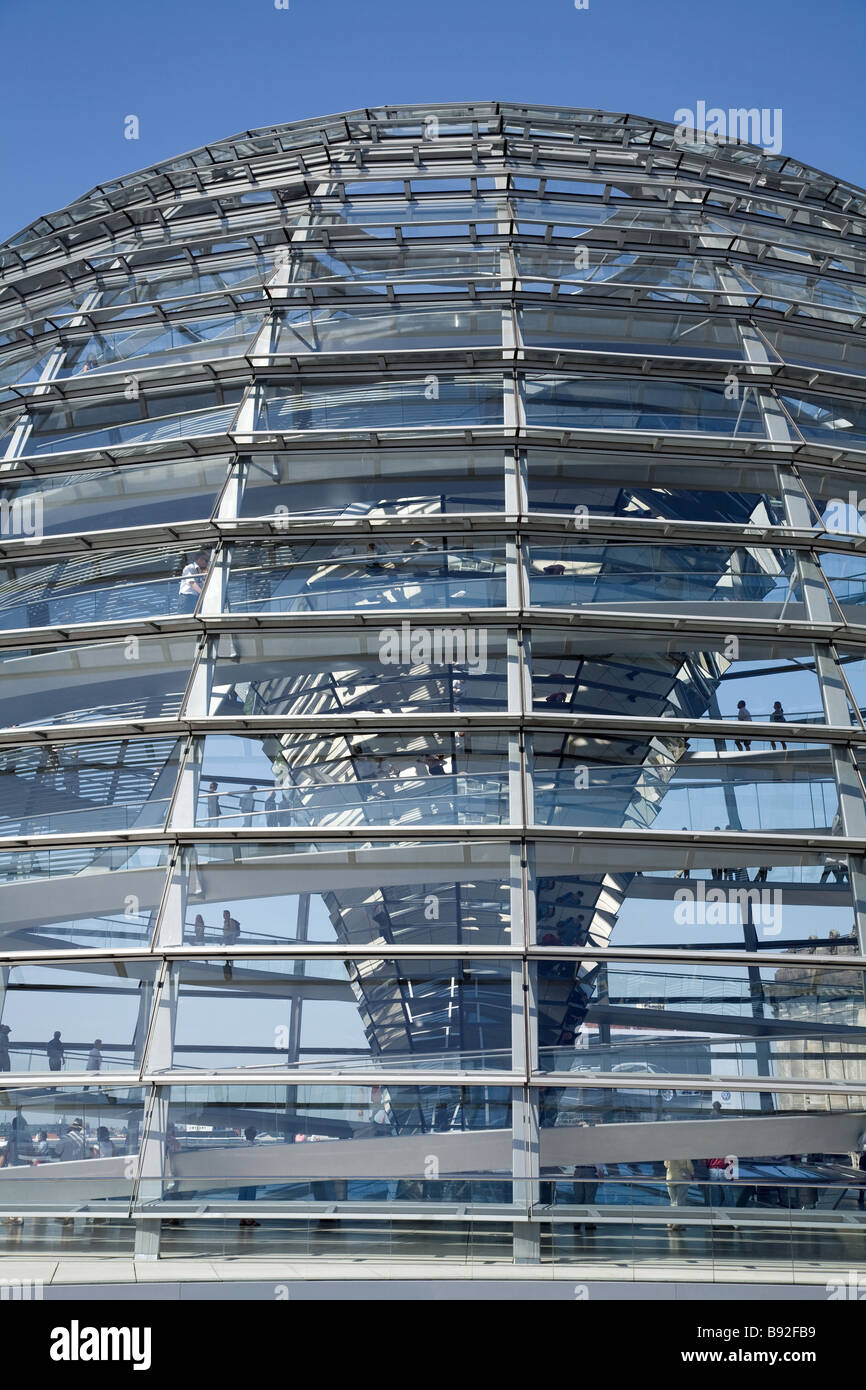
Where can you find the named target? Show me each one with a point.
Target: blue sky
(199, 70)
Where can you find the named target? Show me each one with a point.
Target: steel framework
(434, 535)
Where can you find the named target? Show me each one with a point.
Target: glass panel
(690, 897)
(62, 429)
(608, 485)
(828, 419)
(346, 894)
(795, 1021)
(846, 577)
(853, 663)
(610, 403)
(69, 1150)
(92, 897)
(605, 1104)
(110, 498)
(104, 586)
(119, 784)
(774, 1157)
(595, 271)
(23, 366)
(807, 288)
(343, 1015)
(147, 287)
(132, 678)
(372, 211)
(672, 784)
(73, 1014)
(238, 1144)
(301, 331)
(680, 677)
(425, 403)
(426, 571)
(839, 499)
(837, 352)
(673, 334)
(353, 779)
(373, 483)
(620, 575)
(403, 265)
(41, 305)
(561, 212)
(151, 344)
(446, 669)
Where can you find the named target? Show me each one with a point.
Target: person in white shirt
(744, 717)
(191, 582)
(365, 768)
(103, 1148)
(94, 1058)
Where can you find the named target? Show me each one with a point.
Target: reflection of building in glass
(431, 700)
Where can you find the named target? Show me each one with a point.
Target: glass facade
(432, 691)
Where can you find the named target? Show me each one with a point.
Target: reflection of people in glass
(94, 1057)
(103, 1147)
(192, 581)
(679, 1172)
(684, 872)
(837, 867)
(719, 1174)
(585, 1186)
(231, 928)
(20, 1141)
(744, 717)
(364, 768)
(5, 1063)
(41, 1146)
(231, 703)
(859, 1162)
(248, 1194)
(172, 1147)
(72, 1145)
(247, 805)
(717, 873)
(70, 773)
(54, 1048)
